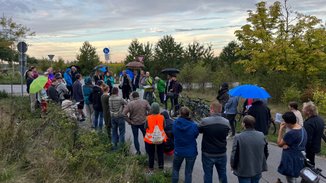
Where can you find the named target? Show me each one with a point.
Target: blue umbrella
(129, 73)
(249, 91)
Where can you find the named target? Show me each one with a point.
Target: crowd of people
(162, 135)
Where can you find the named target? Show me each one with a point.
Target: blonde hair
(310, 108)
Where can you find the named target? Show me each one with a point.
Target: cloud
(62, 26)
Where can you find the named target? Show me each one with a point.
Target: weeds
(35, 149)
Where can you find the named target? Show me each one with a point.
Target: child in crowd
(68, 107)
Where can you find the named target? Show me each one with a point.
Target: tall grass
(54, 149)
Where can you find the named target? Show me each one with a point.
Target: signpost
(106, 52)
(51, 58)
(22, 48)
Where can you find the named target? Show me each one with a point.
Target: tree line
(281, 50)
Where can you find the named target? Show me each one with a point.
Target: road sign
(22, 47)
(51, 57)
(140, 58)
(106, 50)
(107, 57)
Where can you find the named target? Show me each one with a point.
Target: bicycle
(311, 174)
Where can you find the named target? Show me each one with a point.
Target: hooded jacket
(67, 77)
(95, 98)
(185, 133)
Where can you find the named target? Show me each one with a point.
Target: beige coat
(136, 111)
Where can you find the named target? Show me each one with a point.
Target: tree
(273, 43)
(136, 49)
(88, 58)
(167, 53)
(10, 33)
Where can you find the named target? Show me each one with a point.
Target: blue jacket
(185, 133)
(231, 106)
(67, 77)
(87, 90)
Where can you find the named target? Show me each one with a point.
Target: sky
(61, 26)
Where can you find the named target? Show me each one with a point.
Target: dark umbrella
(170, 71)
(134, 65)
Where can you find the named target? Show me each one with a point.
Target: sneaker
(150, 172)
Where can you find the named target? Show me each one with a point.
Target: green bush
(319, 97)
(291, 93)
(3, 94)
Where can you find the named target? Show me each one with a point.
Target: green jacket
(161, 86)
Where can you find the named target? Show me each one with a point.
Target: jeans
(98, 119)
(150, 149)
(231, 118)
(134, 129)
(89, 113)
(220, 165)
(177, 161)
(118, 124)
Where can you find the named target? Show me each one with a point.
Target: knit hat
(155, 108)
(88, 81)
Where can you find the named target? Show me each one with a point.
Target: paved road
(268, 177)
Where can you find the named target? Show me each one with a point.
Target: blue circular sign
(106, 50)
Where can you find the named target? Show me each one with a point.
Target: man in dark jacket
(215, 129)
(314, 125)
(95, 99)
(262, 115)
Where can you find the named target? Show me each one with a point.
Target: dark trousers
(126, 92)
(310, 155)
(231, 118)
(174, 102)
(150, 149)
(70, 90)
(134, 129)
(161, 94)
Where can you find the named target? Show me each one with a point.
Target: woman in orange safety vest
(155, 136)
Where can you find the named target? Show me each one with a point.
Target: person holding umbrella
(32, 96)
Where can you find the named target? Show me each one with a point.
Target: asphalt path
(273, 160)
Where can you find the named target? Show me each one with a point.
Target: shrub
(3, 94)
(319, 97)
(291, 93)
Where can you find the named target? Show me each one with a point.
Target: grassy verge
(10, 77)
(54, 149)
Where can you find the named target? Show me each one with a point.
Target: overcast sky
(62, 26)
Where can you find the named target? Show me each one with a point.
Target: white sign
(278, 118)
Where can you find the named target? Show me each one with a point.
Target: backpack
(157, 135)
(180, 87)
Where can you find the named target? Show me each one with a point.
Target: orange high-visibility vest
(152, 120)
